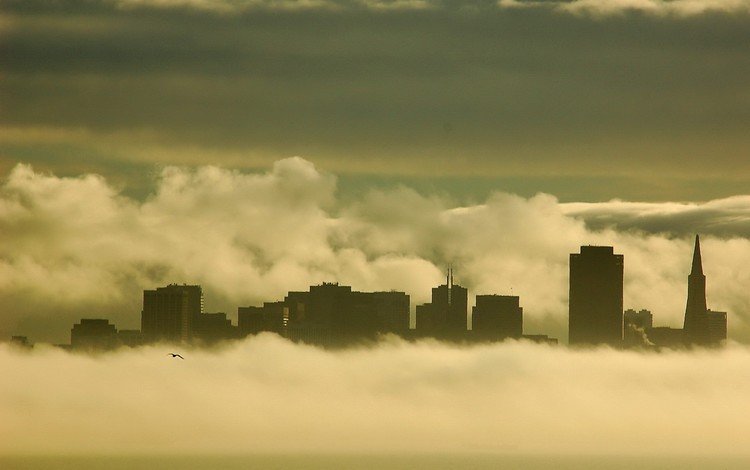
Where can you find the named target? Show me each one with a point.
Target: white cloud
(75, 247)
(267, 395)
(680, 8)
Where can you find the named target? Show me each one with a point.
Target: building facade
(497, 317)
(170, 313)
(595, 297)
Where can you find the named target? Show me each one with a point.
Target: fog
(76, 247)
(268, 395)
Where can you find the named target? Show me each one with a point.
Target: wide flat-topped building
(497, 317)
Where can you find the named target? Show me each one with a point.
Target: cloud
(593, 8)
(728, 217)
(73, 247)
(677, 8)
(267, 395)
(241, 6)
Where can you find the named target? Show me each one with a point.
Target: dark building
(595, 300)
(21, 342)
(497, 317)
(716, 324)
(210, 328)
(130, 338)
(170, 312)
(702, 326)
(93, 334)
(271, 317)
(445, 316)
(665, 337)
(636, 326)
(541, 339)
(331, 314)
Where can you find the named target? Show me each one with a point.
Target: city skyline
(333, 315)
(390, 238)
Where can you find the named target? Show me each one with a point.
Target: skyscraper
(694, 329)
(702, 326)
(445, 317)
(595, 300)
(170, 312)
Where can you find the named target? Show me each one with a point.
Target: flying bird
(175, 355)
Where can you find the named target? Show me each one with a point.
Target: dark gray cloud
(726, 218)
(467, 89)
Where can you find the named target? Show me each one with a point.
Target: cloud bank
(76, 247)
(593, 8)
(268, 395)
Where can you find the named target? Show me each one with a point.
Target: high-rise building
(93, 334)
(702, 327)
(170, 312)
(445, 317)
(695, 330)
(595, 300)
(497, 317)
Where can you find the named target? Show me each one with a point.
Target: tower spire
(695, 311)
(697, 262)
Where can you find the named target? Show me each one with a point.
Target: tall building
(702, 326)
(93, 334)
(497, 317)
(595, 300)
(169, 313)
(445, 317)
(694, 328)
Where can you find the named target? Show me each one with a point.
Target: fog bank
(268, 395)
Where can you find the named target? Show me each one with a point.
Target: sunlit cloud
(77, 247)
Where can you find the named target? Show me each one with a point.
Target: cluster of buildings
(596, 308)
(333, 315)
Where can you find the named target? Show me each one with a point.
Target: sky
(588, 100)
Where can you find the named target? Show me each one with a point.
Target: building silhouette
(329, 314)
(595, 300)
(130, 338)
(665, 337)
(445, 316)
(636, 325)
(210, 328)
(93, 334)
(497, 317)
(21, 342)
(272, 317)
(169, 313)
(702, 327)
